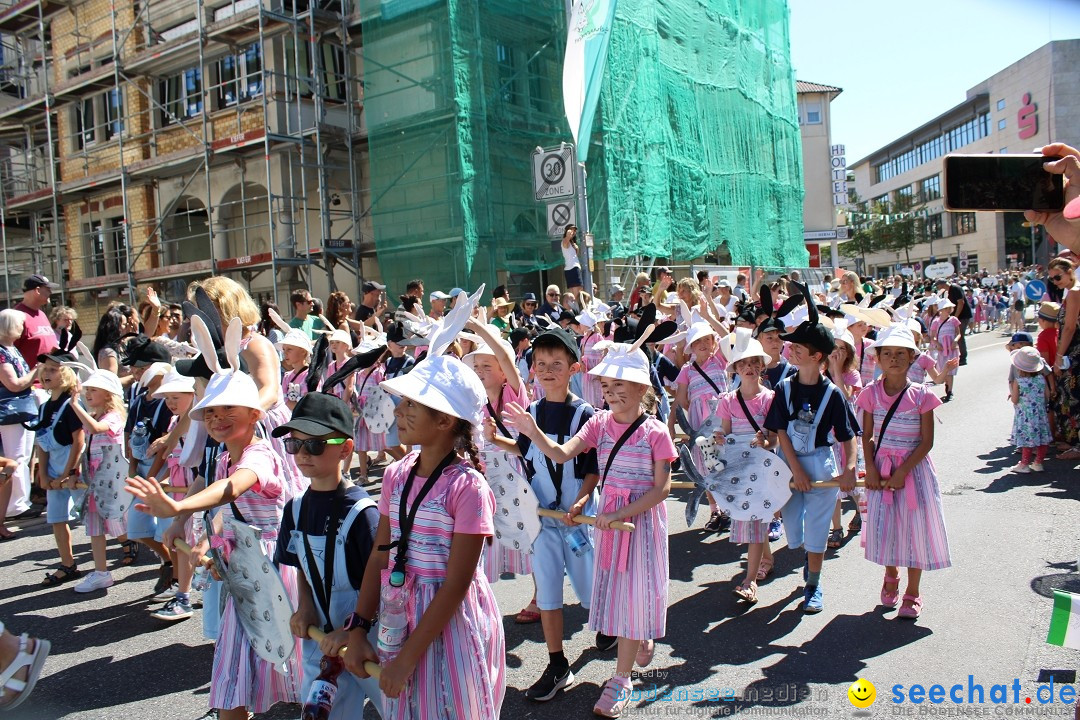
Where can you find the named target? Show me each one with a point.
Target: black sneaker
(605, 642)
(713, 525)
(552, 681)
(165, 578)
(725, 523)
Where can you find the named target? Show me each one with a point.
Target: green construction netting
(697, 144)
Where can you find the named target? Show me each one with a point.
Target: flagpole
(582, 202)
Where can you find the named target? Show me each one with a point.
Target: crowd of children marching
(249, 434)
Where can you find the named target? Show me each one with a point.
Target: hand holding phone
(1064, 226)
(1002, 183)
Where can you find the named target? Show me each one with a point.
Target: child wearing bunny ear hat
(436, 512)
(256, 488)
(630, 584)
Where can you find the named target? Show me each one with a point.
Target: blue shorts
(61, 504)
(552, 558)
(351, 692)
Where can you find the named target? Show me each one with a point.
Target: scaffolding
(157, 141)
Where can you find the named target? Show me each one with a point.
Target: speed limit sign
(553, 172)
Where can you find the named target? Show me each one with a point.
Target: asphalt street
(1014, 539)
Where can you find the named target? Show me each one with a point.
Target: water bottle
(320, 699)
(577, 539)
(804, 413)
(393, 622)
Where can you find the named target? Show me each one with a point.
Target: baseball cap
(663, 269)
(455, 292)
(372, 286)
(318, 414)
(1022, 337)
(36, 281)
(557, 337)
(438, 295)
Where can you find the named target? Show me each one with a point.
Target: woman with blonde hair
(17, 405)
(264, 366)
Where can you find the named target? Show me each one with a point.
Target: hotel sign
(838, 168)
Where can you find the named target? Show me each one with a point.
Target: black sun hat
(811, 332)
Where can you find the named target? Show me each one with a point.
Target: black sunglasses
(314, 446)
(1056, 278)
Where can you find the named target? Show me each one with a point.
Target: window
(931, 188)
(108, 252)
(1001, 124)
(114, 113)
(933, 227)
(84, 123)
(882, 200)
(904, 191)
(1001, 105)
(927, 150)
(181, 96)
(539, 98)
(507, 74)
(329, 71)
(963, 223)
(240, 76)
(813, 113)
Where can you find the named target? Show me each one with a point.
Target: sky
(929, 52)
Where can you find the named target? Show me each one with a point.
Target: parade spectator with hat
(438, 304)
(37, 337)
(526, 312)
(372, 304)
(17, 405)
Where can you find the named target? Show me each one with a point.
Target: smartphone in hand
(1002, 183)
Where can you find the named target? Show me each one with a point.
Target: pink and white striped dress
(703, 396)
(943, 341)
(95, 524)
(865, 362)
(499, 558)
(630, 583)
(180, 477)
(906, 527)
(240, 678)
(917, 372)
(366, 383)
(339, 389)
(746, 531)
(590, 358)
(462, 673)
(294, 385)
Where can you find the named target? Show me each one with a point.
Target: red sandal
(911, 608)
(889, 597)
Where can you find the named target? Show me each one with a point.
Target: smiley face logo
(862, 693)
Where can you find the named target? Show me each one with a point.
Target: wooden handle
(682, 485)
(826, 484)
(206, 561)
(585, 519)
(372, 669)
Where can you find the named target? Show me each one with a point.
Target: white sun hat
(914, 325)
(624, 362)
(340, 335)
(945, 304)
(174, 382)
(1028, 359)
(228, 386)
(442, 382)
(587, 318)
(894, 336)
(104, 380)
(840, 332)
(697, 331)
(296, 338)
(746, 346)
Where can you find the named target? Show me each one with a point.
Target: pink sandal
(911, 608)
(889, 597)
(765, 569)
(613, 700)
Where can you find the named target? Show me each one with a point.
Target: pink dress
(499, 558)
(294, 385)
(904, 528)
(590, 358)
(943, 341)
(703, 396)
(339, 389)
(95, 524)
(366, 383)
(462, 673)
(239, 677)
(180, 476)
(746, 531)
(630, 583)
(865, 362)
(917, 373)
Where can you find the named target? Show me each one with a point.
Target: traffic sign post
(560, 213)
(557, 175)
(554, 172)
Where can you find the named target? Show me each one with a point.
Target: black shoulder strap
(498, 421)
(746, 411)
(618, 445)
(715, 387)
(888, 416)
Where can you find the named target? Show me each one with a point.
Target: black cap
(558, 338)
(372, 286)
(395, 333)
(36, 281)
(319, 414)
(815, 335)
(141, 351)
(57, 356)
(769, 325)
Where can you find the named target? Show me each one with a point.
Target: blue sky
(927, 51)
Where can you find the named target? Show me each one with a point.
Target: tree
(900, 234)
(862, 240)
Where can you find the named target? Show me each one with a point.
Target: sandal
(131, 552)
(911, 608)
(63, 574)
(764, 569)
(836, 538)
(889, 597)
(33, 662)
(747, 592)
(856, 524)
(1070, 454)
(527, 616)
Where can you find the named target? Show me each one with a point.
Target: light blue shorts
(61, 504)
(141, 526)
(808, 515)
(552, 558)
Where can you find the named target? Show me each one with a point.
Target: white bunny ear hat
(626, 362)
(442, 382)
(746, 346)
(229, 387)
(296, 338)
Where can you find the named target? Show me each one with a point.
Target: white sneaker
(1022, 468)
(1037, 466)
(95, 581)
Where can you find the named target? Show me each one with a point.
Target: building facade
(1029, 104)
(824, 173)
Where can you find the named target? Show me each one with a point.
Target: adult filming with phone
(1063, 225)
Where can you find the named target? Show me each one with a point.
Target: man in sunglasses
(551, 306)
(303, 317)
(327, 534)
